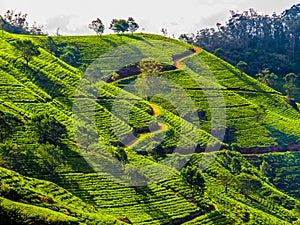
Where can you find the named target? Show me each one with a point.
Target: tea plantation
(72, 128)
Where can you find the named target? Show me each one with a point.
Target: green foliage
(185, 38)
(248, 183)
(12, 213)
(70, 54)
(120, 154)
(44, 202)
(119, 25)
(43, 144)
(17, 23)
(132, 25)
(28, 50)
(242, 66)
(236, 166)
(8, 125)
(226, 179)
(149, 67)
(290, 86)
(282, 170)
(246, 36)
(51, 45)
(268, 78)
(193, 176)
(48, 128)
(97, 26)
(214, 217)
(265, 168)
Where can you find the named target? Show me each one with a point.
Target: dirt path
(272, 149)
(178, 62)
(134, 70)
(156, 110)
(162, 127)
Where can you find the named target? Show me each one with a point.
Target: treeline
(17, 23)
(264, 42)
(117, 25)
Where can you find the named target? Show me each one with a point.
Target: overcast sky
(178, 16)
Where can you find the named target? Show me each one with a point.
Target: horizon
(72, 20)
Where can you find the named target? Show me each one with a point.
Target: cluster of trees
(66, 52)
(48, 129)
(17, 23)
(50, 146)
(262, 41)
(288, 83)
(117, 25)
(235, 175)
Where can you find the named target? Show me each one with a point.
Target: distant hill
(38, 140)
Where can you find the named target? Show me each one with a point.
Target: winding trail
(161, 127)
(178, 62)
(155, 109)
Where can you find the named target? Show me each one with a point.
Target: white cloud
(177, 16)
(67, 24)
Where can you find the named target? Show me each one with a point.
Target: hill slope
(39, 140)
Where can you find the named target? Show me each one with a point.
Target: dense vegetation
(265, 42)
(16, 22)
(47, 173)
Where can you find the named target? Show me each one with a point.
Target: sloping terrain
(38, 137)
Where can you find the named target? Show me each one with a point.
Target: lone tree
(28, 50)
(97, 26)
(193, 177)
(149, 67)
(132, 25)
(119, 25)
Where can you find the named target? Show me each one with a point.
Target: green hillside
(57, 167)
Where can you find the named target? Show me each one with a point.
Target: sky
(177, 16)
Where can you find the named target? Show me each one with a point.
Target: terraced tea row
(145, 205)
